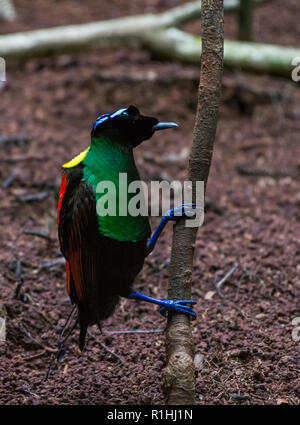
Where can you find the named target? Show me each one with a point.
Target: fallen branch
(153, 32)
(228, 274)
(53, 264)
(33, 197)
(259, 172)
(7, 11)
(93, 35)
(19, 139)
(26, 391)
(35, 356)
(135, 331)
(38, 233)
(175, 45)
(99, 34)
(179, 374)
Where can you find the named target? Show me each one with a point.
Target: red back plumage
(63, 186)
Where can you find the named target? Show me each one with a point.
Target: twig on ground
(138, 331)
(35, 356)
(121, 360)
(42, 314)
(38, 233)
(240, 397)
(28, 334)
(112, 353)
(19, 279)
(28, 392)
(52, 264)
(239, 285)
(220, 283)
(256, 143)
(34, 340)
(18, 269)
(33, 197)
(18, 139)
(247, 273)
(258, 172)
(8, 181)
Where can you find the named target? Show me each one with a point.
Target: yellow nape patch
(75, 161)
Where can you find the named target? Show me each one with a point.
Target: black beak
(163, 125)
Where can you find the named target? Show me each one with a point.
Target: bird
(103, 253)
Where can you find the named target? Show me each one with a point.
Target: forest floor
(243, 334)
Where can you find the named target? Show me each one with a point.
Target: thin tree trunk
(179, 373)
(245, 19)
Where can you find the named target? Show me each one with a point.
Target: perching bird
(104, 254)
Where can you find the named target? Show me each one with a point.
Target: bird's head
(127, 127)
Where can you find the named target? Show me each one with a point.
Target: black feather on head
(125, 126)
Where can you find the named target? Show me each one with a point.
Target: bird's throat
(107, 161)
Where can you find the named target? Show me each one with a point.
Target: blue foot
(165, 305)
(184, 210)
(178, 306)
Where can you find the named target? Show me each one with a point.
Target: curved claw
(178, 306)
(181, 211)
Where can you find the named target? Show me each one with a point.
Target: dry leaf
(208, 296)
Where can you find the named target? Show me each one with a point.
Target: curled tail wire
(62, 342)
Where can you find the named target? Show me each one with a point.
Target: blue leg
(165, 305)
(172, 215)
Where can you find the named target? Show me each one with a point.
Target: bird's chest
(118, 199)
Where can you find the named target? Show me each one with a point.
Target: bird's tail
(66, 332)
